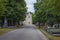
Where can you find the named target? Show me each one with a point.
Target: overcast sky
(30, 5)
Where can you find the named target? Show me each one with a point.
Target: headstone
(5, 23)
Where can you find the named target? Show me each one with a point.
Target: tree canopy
(13, 9)
(47, 11)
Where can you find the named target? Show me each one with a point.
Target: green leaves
(2, 7)
(47, 10)
(14, 9)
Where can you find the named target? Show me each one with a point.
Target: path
(28, 32)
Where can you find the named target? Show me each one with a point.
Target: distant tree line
(13, 10)
(47, 12)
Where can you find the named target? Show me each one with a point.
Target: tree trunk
(39, 24)
(17, 24)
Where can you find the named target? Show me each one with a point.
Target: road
(28, 32)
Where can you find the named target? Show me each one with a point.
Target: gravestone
(5, 23)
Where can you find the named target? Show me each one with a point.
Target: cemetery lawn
(5, 30)
(51, 37)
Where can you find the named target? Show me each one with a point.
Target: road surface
(28, 32)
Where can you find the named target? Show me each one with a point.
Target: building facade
(28, 19)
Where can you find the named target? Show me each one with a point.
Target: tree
(2, 10)
(46, 11)
(13, 10)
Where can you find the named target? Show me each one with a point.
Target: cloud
(30, 1)
(30, 5)
(30, 8)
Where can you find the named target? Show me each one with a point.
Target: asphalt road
(28, 32)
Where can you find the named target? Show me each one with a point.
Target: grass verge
(51, 37)
(5, 30)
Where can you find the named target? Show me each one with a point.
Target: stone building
(28, 19)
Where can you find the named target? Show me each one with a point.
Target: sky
(30, 5)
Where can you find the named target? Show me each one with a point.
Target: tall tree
(13, 10)
(47, 11)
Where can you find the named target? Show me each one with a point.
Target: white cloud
(30, 1)
(30, 5)
(30, 8)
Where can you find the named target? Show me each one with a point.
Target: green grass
(5, 30)
(51, 37)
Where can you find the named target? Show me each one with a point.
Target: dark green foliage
(47, 11)
(13, 10)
